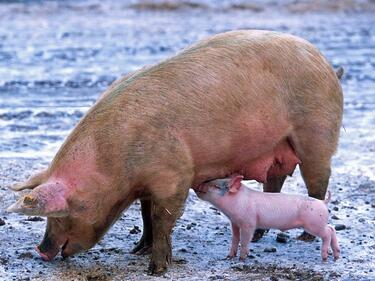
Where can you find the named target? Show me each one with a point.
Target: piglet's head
(217, 189)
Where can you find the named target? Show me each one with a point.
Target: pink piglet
(249, 209)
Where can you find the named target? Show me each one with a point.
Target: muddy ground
(57, 56)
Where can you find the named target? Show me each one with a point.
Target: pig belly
(278, 221)
(281, 161)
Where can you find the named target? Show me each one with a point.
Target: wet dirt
(57, 56)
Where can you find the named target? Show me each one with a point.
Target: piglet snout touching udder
(248, 209)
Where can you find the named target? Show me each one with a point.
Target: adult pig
(268, 210)
(249, 102)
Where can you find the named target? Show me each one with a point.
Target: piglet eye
(216, 186)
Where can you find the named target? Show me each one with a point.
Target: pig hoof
(307, 237)
(157, 269)
(229, 257)
(141, 251)
(243, 258)
(258, 234)
(142, 248)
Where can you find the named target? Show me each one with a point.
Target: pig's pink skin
(45, 256)
(248, 209)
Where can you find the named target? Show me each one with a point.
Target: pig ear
(48, 200)
(235, 183)
(31, 183)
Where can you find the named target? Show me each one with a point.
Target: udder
(280, 161)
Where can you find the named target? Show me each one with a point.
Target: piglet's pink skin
(248, 209)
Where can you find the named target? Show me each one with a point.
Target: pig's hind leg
(326, 235)
(334, 244)
(145, 243)
(235, 241)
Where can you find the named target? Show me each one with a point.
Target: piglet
(249, 209)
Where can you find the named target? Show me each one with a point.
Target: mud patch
(284, 273)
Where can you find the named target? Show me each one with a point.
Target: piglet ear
(235, 183)
(48, 200)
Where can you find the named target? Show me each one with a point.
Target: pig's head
(215, 191)
(74, 222)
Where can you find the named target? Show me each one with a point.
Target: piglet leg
(235, 241)
(326, 237)
(246, 233)
(334, 244)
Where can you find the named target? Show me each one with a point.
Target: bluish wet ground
(57, 57)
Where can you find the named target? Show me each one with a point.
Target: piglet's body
(248, 209)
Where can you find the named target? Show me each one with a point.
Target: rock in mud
(270, 250)
(282, 237)
(35, 219)
(339, 227)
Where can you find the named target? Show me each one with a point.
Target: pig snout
(48, 249)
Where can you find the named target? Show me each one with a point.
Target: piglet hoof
(229, 257)
(307, 237)
(243, 258)
(258, 234)
(336, 256)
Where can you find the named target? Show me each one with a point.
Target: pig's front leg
(246, 233)
(235, 241)
(144, 245)
(165, 212)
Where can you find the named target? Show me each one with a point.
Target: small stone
(26, 255)
(135, 230)
(339, 227)
(270, 250)
(334, 217)
(35, 219)
(361, 220)
(335, 208)
(282, 237)
(2, 222)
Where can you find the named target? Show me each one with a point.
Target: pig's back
(211, 97)
(280, 210)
